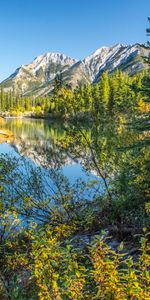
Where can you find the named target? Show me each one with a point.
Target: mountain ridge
(38, 76)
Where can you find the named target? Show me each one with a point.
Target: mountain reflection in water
(35, 148)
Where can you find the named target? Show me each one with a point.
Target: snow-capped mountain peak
(110, 58)
(47, 65)
(96, 60)
(44, 60)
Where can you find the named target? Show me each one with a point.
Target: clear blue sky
(74, 27)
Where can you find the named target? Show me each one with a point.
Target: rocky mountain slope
(37, 78)
(42, 70)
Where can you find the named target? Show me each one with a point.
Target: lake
(34, 147)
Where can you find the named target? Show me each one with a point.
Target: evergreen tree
(105, 90)
(143, 123)
(58, 83)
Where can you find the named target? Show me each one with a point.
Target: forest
(113, 94)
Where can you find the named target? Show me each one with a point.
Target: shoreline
(6, 116)
(49, 116)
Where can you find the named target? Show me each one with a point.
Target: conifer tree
(105, 89)
(143, 124)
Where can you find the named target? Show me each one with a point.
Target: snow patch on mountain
(110, 58)
(44, 60)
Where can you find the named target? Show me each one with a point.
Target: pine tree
(58, 83)
(105, 90)
(143, 123)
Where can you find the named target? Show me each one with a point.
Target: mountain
(126, 58)
(41, 71)
(37, 78)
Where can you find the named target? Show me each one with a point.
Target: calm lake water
(33, 166)
(36, 139)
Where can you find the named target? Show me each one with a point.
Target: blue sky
(74, 27)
